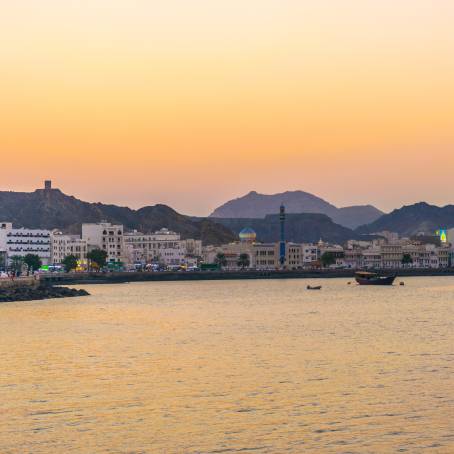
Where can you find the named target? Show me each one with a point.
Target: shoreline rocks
(28, 293)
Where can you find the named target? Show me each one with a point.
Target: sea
(250, 366)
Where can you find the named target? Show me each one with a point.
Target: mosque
(248, 235)
(266, 256)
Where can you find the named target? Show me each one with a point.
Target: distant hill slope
(49, 209)
(412, 219)
(299, 228)
(255, 205)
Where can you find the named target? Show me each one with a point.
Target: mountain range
(51, 208)
(255, 205)
(299, 228)
(413, 219)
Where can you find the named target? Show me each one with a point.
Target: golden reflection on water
(227, 366)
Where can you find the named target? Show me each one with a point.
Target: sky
(194, 102)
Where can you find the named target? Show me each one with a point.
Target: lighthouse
(282, 238)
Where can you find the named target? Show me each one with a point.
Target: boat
(317, 287)
(368, 278)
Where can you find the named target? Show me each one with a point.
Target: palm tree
(243, 261)
(17, 263)
(220, 260)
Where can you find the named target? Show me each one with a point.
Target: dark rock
(44, 291)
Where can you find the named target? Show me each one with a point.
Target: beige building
(262, 256)
(105, 236)
(391, 256)
(265, 256)
(371, 258)
(63, 245)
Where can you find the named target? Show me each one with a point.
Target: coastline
(11, 291)
(169, 276)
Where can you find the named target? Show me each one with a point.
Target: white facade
(105, 236)
(64, 245)
(20, 242)
(163, 247)
(311, 254)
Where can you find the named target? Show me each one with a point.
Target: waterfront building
(371, 258)
(444, 256)
(105, 236)
(20, 242)
(354, 258)
(193, 248)
(391, 255)
(209, 253)
(265, 256)
(62, 245)
(427, 255)
(293, 256)
(262, 256)
(311, 255)
(163, 247)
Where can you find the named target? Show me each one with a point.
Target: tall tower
(282, 239)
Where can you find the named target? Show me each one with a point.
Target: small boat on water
(317, 287)
(368, 278)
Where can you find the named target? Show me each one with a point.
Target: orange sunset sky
(194, 102)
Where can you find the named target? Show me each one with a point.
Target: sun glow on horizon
(194, 102)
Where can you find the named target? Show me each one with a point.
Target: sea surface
(231, 366)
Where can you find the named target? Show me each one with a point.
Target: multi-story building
(210, 252)
(391, 255)
(354, 258)
(20, 242)
(311, 255)
(262, 256)
(64, 245)
(193, 248)
(105, 236)
(371, 258)
(265, 256)
(293, 256)
(164, 247)
(444, 256)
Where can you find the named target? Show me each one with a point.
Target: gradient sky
(194, 102)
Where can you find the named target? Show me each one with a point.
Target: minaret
(282, 239)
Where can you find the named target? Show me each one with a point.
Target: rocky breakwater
(29, 291)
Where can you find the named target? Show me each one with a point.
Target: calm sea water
(235, 366)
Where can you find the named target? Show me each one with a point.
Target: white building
(64, 245)
(163, 247)
(105, 236)
(20, 242)
(311, 255)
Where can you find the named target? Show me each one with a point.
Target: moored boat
(368, 278)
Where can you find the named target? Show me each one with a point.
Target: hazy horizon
(194, 103)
